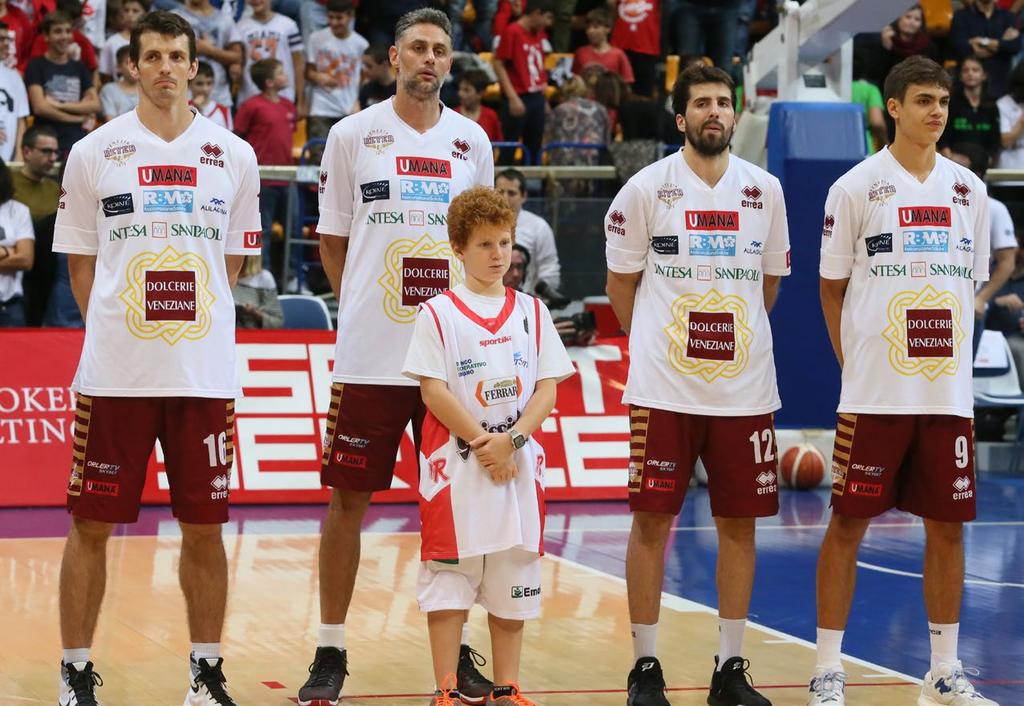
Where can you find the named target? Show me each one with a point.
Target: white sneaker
(948, 686)
(827, 689)
(78, 687)
(206, 684)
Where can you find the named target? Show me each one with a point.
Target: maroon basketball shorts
(920, 463)
(114, 437)
(739, 454)
(365, 424)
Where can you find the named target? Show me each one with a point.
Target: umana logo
(424, 167)
(167, 175)
(911, 216)
(713, 220)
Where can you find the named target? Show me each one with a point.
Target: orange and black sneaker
(508, 695)
(446, 695)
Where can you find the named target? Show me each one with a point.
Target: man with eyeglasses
(33, 182)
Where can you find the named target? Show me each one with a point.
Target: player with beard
(387, 177)
(702, 379)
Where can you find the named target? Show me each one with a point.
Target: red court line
(581, 692)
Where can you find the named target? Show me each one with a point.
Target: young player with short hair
(151, 271)
(905, 238)
(488, 359)
(696, 246)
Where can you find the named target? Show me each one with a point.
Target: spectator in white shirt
(533, 233)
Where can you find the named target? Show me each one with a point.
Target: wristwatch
(518, 440)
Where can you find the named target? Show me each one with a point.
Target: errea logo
(962, 488)
(766, 479)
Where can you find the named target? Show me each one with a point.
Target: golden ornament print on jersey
(709, 335)
(924, 333)
(415, 271)
(168, 296)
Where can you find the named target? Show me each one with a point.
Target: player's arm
(18, 258)
(833, 293)
(233, 265)
(771, 291)
(82, 269)
(443, 405)
(333, 253)
(621, 290)
(42, 107)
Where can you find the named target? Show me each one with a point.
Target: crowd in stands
(537, 75)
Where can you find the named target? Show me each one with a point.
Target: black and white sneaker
(646, 684)
(473, 687)
(78, 686)
(326, 677)
(732, 686)
(206, 684)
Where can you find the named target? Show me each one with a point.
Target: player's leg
(510, 591)
(197, 436)
(113, 439)
(866, 466)
(445, 591)
(661, 462)
(365, 424)
(941, 489)
(740, 456)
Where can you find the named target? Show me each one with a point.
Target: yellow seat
(938, 16)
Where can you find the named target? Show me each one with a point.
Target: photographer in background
(256, 302)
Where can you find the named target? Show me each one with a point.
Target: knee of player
(191, 532)
(350, 504)
(945, 532)
(736, 529)
(652, 527)
(91, 531)
(848, 530)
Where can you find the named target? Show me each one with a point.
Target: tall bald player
(387, 177)
(696, 244)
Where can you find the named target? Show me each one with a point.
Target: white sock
(830, 646)
(77, 656)
(210, 651)
(943, 639)
(645, 638)
(332, 635)
(730, 639)
(465, 633)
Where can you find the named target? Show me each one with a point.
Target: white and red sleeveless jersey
(492, 361)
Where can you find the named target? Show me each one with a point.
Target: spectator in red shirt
(508, 12)
(637, 31)
(81, 48)
(267, 121)
(599, 50)
(519, 65)
(472, 85)
(19, 31)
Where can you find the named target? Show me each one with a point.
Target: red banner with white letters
(280, 422)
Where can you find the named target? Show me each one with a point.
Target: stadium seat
(996, 385)
(938, 16)
(303, 311)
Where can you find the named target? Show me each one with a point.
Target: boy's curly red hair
(481, 205)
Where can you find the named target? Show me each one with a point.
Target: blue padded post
(810, 145)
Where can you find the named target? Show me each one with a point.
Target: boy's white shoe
(948, 686)
(827, 689)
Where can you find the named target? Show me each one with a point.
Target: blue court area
(888, 624)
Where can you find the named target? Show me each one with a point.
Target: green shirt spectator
(867, 95)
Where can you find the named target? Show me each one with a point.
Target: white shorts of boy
(506, 584)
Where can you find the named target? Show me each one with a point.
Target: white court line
(687, 606)
(897, 572)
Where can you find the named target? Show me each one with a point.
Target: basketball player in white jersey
(905, 239)
(696, 244)
(387, 177)
(158, 209)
